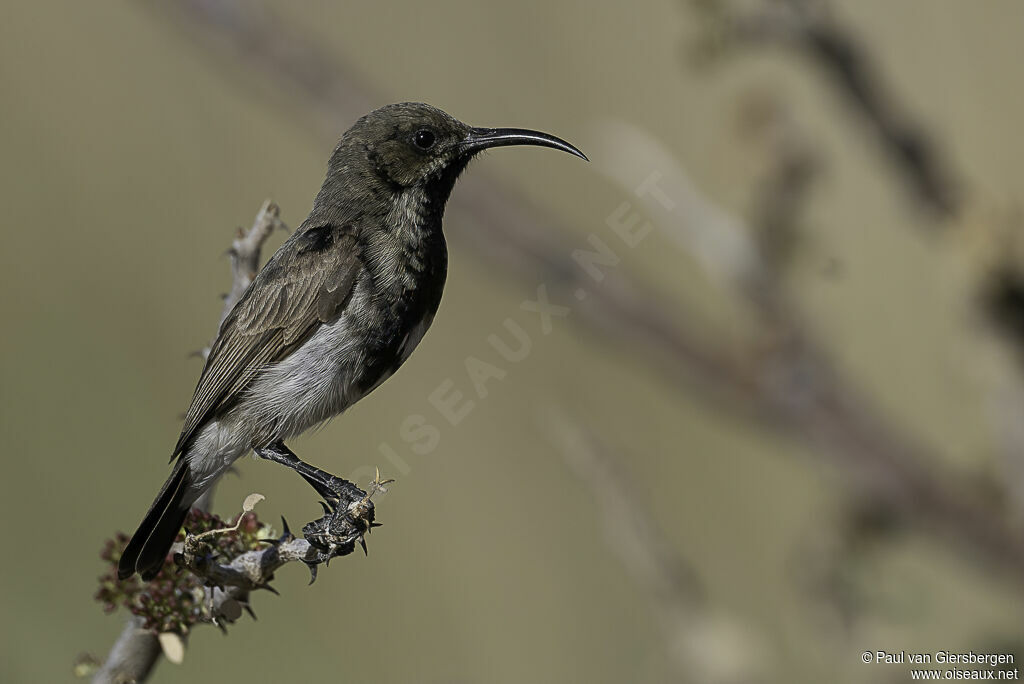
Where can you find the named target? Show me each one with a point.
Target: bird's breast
(391, 307)
(398, 318)
(343, 361)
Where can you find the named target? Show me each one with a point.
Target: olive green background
(130, 153)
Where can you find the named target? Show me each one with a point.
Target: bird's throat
(409, 250)
(411, 216)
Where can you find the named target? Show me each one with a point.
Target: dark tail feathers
(149, 545)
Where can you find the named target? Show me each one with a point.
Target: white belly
(315, 383)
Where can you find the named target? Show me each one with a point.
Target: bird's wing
(306, 283)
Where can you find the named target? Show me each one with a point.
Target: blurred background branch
(809, 28)
(789, 382)
(703, 646)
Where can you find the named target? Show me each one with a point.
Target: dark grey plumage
(335, 311)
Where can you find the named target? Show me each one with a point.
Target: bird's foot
(348, 510)
(348, 517)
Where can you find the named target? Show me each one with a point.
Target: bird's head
(415, 145)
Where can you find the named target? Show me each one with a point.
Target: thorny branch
(136, 651)
(347, 516)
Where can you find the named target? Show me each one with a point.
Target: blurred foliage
(173, 600)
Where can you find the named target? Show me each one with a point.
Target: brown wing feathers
(306, 283)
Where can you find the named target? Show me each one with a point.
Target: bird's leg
(348, 511)
(325, 484)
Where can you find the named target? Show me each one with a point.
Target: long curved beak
(484, 138)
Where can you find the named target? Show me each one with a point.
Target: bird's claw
(348, 510)
(348, 517)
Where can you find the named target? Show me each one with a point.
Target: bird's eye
(424, 138)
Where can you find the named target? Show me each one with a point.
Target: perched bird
(336, 310)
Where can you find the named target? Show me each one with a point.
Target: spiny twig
(136, 651)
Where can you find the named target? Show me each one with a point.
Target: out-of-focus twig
(809, 27)
(794, 164)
